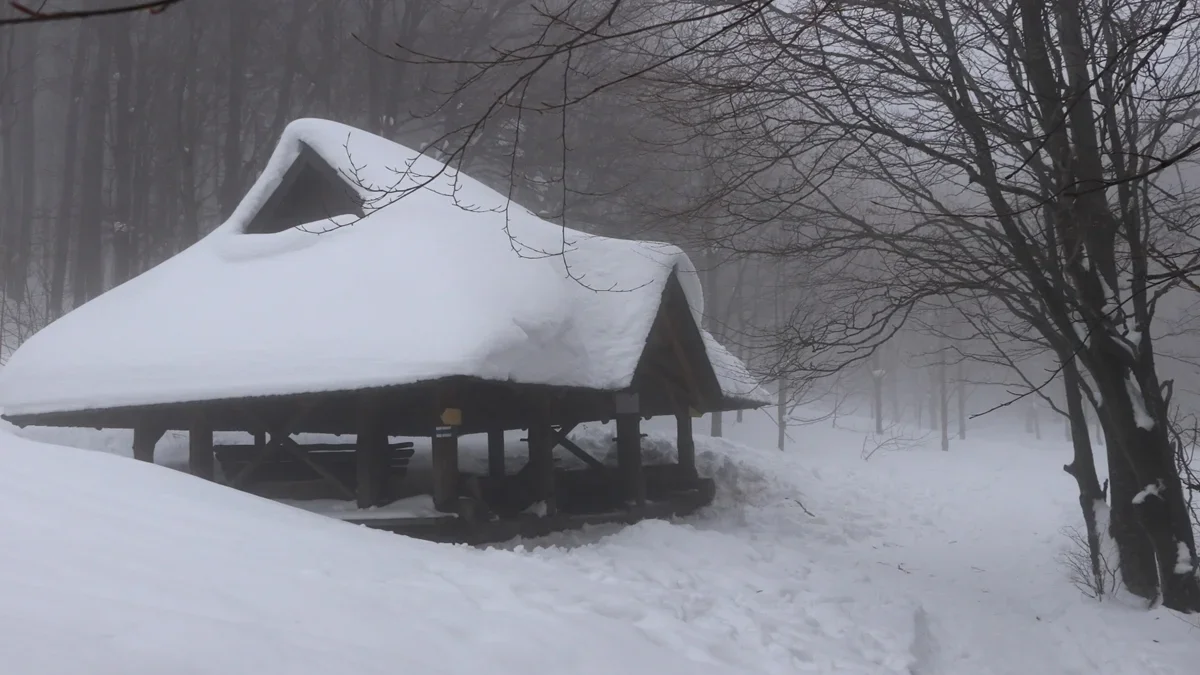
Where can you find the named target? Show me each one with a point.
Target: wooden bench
(337, 458)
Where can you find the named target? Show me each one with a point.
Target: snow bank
(114, 567)
(810, 561)
(441, 277)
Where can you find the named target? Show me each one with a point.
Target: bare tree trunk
(188, 140)
(877, 375)
(717, 424)
(19, 174)
(1083, 469)
(327, 71)
(88, 276)
(944, 399)
(934, 406)
(920, 411)
(283, 99)
(29, 154)
(231, 179)
(781, 414)
(375, 65)
(63, 228)
(1150, 519)
(961, 388)
(1134, 408)
(893, 380)
(710, 317)
(117, 38)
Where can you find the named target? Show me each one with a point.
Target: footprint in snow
(924, 648)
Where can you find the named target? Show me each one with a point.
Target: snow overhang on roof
(435, 276)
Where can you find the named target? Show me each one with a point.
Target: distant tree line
(126, 137)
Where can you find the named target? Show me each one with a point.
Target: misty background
(125, 139)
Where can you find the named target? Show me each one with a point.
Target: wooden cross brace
(559, 437)
(279, 438)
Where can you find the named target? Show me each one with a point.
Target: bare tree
(1010, 149)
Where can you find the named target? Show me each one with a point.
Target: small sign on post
(627, 403)
(444, 432)
(452, 417)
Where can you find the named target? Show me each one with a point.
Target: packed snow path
(915, 562)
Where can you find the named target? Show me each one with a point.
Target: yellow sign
(452, 417)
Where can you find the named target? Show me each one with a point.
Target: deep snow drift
(120, 568)
(915, 562)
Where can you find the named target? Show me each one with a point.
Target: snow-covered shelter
(363, 288)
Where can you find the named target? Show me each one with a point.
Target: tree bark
(961, 390)
(187, 139)
(893, 383)
(944, 399)
(1150, 519)
(781, 415)
(1092, 497)
(934, 406)
(877, 375)
(711, 279)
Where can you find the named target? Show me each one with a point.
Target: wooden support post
(629, 448)
(200, 448)
(145, 438)
(370, 455)
(686, 443)
(541, 459)
(445, 458)
(496, 453)
(260, 439)
(445, 469)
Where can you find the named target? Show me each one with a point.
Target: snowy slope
(442, 277)
(111, 567)
(916, 562)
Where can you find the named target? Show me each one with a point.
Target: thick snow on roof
(441, 277)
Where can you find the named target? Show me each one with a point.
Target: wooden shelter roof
(424, 284)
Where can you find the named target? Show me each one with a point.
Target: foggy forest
(944, 217)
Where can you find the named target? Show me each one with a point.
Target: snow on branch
(1154, 489)
(1141, 415)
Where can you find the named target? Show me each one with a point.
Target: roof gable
(309, 191)
(675, 358)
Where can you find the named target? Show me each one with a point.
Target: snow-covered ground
(812, 560)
